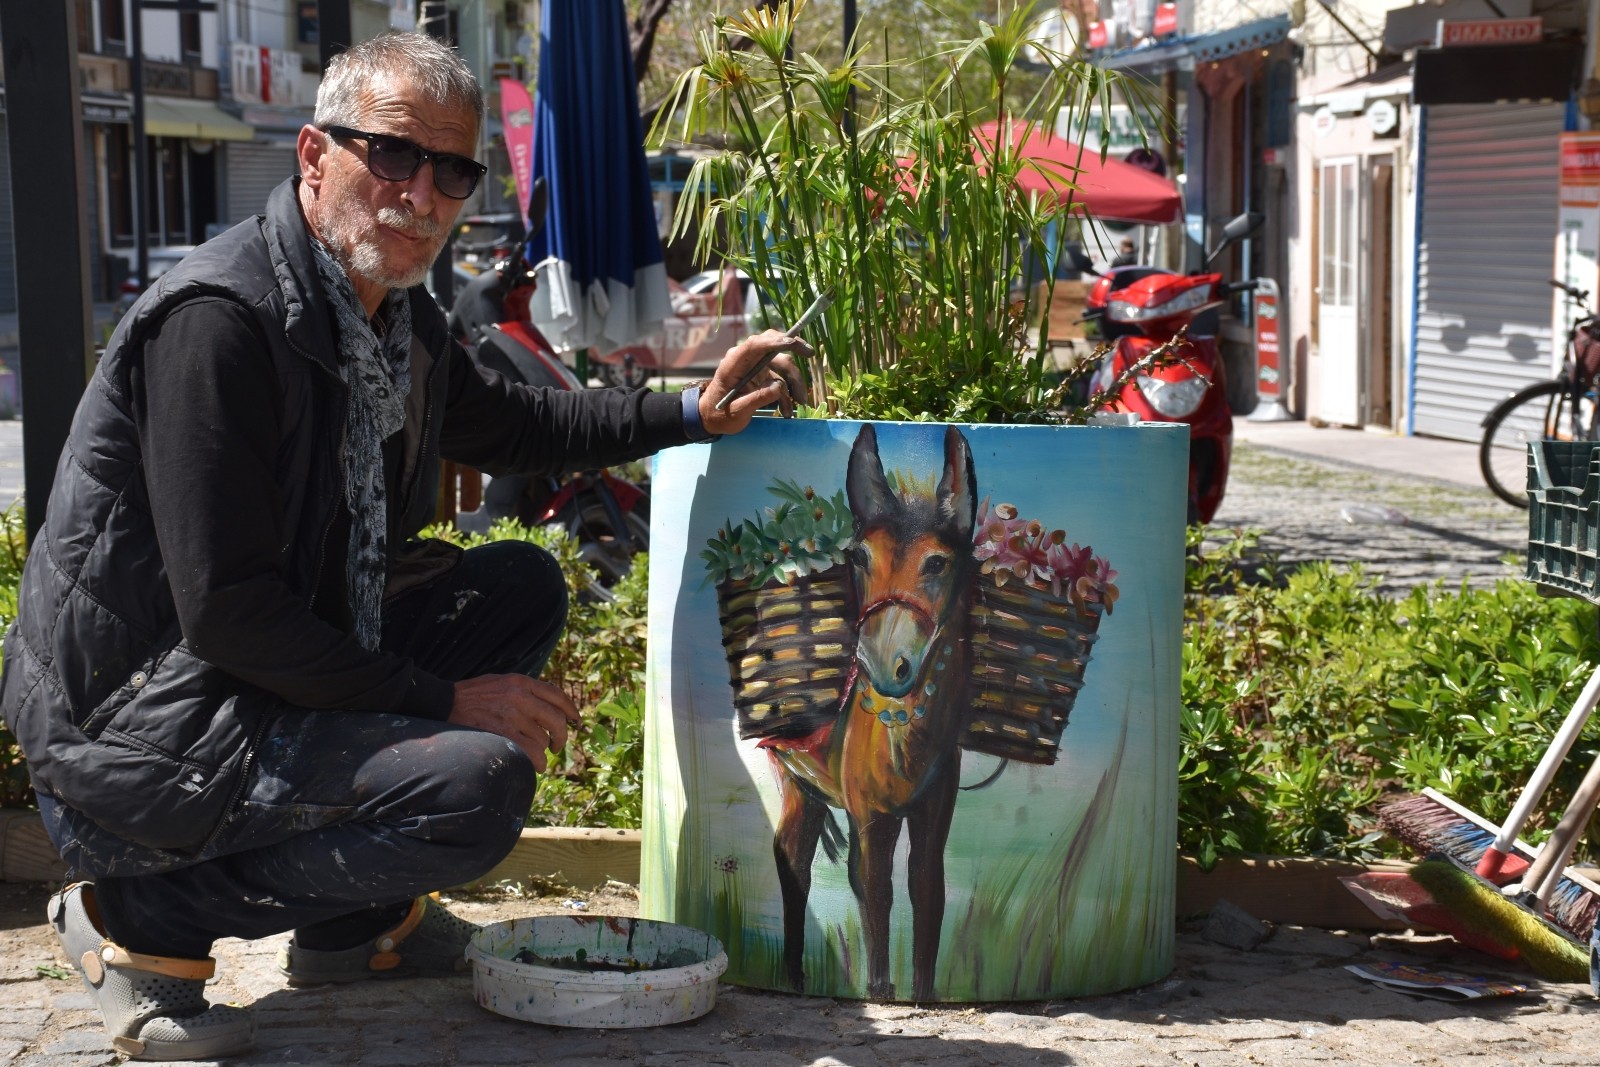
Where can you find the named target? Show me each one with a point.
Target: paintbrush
(817, 307)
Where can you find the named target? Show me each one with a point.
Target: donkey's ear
(867, 488)
(958, 489)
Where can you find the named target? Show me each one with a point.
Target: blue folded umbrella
(601, 280)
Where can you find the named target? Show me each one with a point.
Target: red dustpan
(1393, 893)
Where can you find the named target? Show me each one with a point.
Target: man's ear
(311, 150)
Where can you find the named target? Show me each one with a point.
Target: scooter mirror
(1236, 229)
(1243, 226)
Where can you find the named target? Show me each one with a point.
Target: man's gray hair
(423, 62)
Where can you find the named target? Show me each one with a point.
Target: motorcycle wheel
(608, 551)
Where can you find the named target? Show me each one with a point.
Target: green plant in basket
(806, 533)
(905, 207)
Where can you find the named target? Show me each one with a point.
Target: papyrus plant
(890, 197)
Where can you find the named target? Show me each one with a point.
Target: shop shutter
(1485, 256)
(254, 170)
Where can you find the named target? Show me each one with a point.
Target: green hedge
(1308, 698)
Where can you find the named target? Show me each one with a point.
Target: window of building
(119, 184)
(166, 218)
(113, 27)
(189, 33)
(85, 25)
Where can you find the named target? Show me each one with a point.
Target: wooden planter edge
(1303, 892)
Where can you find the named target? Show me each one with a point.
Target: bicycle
(1566, 408)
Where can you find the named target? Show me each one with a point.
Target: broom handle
(1560, 745)
(1545, 872)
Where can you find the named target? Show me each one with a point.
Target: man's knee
(486, 795)
(532, 602)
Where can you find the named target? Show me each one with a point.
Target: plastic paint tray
(595, 970)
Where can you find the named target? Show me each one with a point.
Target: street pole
(50, 220)
(142, 186)
(433, 18)
(141, 151)
(333, 29)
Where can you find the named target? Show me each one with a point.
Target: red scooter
(1144, 309)
(607, 515)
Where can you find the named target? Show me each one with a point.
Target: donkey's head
(910, 559)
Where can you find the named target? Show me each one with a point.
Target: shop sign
(1269, 372)
(1166, 20)
(1454, 32)
(1580, 169)
(1098, 35)
(1322, 121)
(1382, 117)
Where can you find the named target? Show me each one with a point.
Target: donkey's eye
(935, 565)
(859, 555)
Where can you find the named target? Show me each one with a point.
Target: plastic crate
(1564, 518)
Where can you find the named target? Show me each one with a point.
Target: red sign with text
(1098, 35)
(1269, 374)
(1580, 159)
(1166, 20)
(1490, 31)
(516, 115)
(1580, 169)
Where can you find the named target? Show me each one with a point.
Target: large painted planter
(912, 723)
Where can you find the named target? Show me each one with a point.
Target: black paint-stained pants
(348, 815)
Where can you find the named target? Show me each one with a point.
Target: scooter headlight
(1126, 311)
(1175, 399)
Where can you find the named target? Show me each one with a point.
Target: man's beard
(352, 236)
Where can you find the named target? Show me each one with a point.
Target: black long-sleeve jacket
(189, 577)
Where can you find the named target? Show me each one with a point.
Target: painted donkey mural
(892, 755)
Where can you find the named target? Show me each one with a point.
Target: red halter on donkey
(892, 755)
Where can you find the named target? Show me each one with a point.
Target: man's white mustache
(404, 221)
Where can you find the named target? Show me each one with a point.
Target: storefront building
(1228, 71)
(1490, 117)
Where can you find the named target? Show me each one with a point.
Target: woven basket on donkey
(1029, 651)
(789, 649)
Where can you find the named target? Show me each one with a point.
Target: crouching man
(251, 700)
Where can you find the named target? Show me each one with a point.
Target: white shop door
(1338, 333)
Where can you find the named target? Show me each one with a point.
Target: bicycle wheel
(1542, 411)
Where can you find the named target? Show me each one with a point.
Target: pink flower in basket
(1008, 546)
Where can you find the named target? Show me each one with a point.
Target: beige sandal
(154, 1007)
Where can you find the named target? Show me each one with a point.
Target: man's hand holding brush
(758, 372)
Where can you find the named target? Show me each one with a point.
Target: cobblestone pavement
(1289, 1001)
(1404, 529)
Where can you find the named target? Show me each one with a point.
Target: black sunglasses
(395, 159)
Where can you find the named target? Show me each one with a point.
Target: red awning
(1112, 190)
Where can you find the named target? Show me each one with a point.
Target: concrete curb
(1302, 892)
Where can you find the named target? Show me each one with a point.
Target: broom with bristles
(1479, 906)
(1541, 886)
(1433, 823)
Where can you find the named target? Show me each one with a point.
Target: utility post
(44, 131)
(141, 142)
(433, 18)
(333, 29)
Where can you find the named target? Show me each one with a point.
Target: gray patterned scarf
(377, 375)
